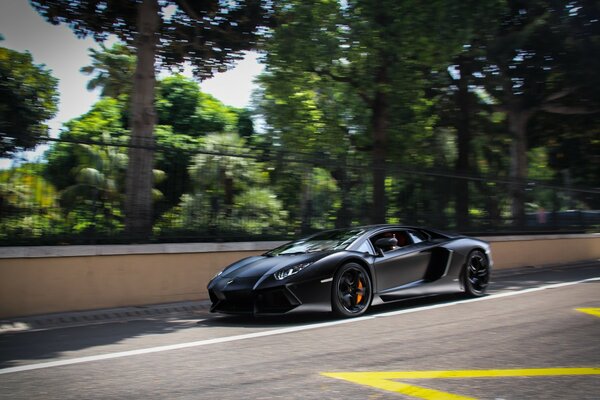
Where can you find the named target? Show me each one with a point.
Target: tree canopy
(28, 98)
(113, 70)
(478, 116)
(379, 51)
(539, 59)
(209, 35)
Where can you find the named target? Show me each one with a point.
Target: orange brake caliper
(359, 295)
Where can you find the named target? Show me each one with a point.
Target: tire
(351, 291)
(476, 276)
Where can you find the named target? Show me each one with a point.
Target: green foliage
(27, 204)
(98, 176)
(259, 211)
(28, 97)
(173, 159)
(210, 35)
(88, 168)
(355, 73)
(176, 102)
(228, 188)
(362, 101)
(245, 124)
(215, 117)
(213, 169)
(181, 105)
(103, 123)
(113, 70)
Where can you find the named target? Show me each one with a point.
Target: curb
(102, 316)
(503, 272)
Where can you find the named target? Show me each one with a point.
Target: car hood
(257, 266)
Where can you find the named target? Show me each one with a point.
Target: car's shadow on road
(44, 345)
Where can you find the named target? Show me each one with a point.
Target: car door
(403, 266)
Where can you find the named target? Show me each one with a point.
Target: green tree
(176, 104)
(211, 35)
(229, 190)
(314, 120)
(218, 174)
(540, 60)
(103, 129)
(187, 115)
(28, 97)
(87, 166)
(96, 196)
(103, 123)
(181, 105)
(112, 69)
(28, 207)
(379, 50)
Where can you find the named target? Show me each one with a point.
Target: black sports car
(348, 270)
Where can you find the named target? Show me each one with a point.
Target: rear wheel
(477, 274)
(352, 291)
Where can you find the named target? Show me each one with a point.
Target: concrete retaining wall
(39, 280)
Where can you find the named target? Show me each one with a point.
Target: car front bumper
(240, 297)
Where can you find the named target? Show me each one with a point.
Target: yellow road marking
(371, 379)
(591, 311)
(388, 380)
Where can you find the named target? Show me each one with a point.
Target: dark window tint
(417, 237)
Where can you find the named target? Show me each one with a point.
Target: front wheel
(477, 274)
(352, 291)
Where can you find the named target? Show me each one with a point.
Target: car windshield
(325, 241)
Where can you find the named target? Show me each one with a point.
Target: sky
(64, 54)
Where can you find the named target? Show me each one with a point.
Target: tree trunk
(343, 217)
(229, 195)
(517, 122)
(379, 126)
(463, 165)
(138, 203)
(306, 211)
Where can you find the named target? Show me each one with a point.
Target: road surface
(535, 336)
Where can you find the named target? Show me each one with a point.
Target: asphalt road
(536, 336)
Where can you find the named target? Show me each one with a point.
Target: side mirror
(385, 244)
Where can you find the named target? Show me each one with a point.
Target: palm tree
(99, 183)
(216, 171)
(113, 68)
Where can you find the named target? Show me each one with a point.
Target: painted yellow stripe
(367, 379)
(591, 311)
(490, 373)
(388, 380)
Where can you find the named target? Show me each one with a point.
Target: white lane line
(227, 339)
(490, 297)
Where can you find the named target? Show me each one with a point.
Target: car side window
(417, 237)
(403, 238)
(366, 248)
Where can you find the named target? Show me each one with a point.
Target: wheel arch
(363, 263)
(478, 248)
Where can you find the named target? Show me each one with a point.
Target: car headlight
(217, 275)
(289, 271)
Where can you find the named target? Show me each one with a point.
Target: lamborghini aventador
(345, 271)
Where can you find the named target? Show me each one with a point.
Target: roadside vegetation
(473, 116)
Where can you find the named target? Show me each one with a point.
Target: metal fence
(238, 194)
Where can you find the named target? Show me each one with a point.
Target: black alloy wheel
(477, 274)
(352, 291)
